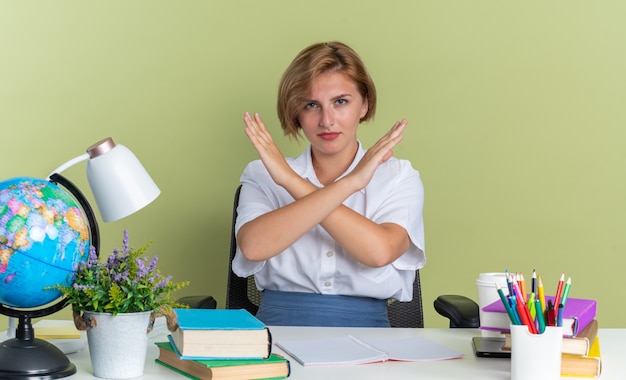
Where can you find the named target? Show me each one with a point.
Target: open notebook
(354, 350)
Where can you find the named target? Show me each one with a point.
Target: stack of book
(221, 344)
(580, 354)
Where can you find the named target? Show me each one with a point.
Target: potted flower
(115, 301)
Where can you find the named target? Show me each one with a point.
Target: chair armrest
(198, 302)
(462, 311)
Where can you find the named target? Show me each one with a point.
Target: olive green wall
(515, 109)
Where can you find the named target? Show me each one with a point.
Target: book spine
(176, 369)
(585, 318)
(269, 342)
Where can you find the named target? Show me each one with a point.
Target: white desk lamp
(119, 183)
(120, 186)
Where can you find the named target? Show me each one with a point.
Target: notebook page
(333, 351)
(413, 349)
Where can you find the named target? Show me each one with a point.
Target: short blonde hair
(306, 67)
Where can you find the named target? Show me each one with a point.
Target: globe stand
(27, 357)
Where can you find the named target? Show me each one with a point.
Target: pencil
(559, 291)
(512, 316)
(522, 310)
(550, 314)
(524, 315)
(540, 320)
(522, 285)
(566, 291)
(531, 305)
(509, 283)
(559, 316)
(518, 292)
(513, 304)
(541, 293)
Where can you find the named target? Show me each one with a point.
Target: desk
(467, 368)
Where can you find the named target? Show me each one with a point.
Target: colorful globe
(44, 235)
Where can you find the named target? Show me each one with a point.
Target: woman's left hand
(380, 152)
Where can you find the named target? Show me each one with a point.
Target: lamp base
(33, 359)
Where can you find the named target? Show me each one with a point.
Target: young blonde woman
(333, 234)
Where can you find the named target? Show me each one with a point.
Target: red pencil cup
(536, 356)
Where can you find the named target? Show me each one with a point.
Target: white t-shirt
(318, 264)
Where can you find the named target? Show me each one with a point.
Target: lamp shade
(118, 181)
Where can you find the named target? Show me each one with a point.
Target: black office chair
(241, 293)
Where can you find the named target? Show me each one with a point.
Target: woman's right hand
(269, 153)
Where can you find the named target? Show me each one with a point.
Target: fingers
(253, 123)
(381, 151)
(255, 128)
(393, 136)
(395, 131)
(398, 128)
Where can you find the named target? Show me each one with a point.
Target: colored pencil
(566, 291)
(541, 293)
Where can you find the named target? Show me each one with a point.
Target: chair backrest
(241, 293)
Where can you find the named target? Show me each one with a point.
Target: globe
(44, 235)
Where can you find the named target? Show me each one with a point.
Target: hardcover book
(583, 366)
(273, 367)
(577, 314)
(220, 333)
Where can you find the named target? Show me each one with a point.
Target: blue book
(204, 334)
